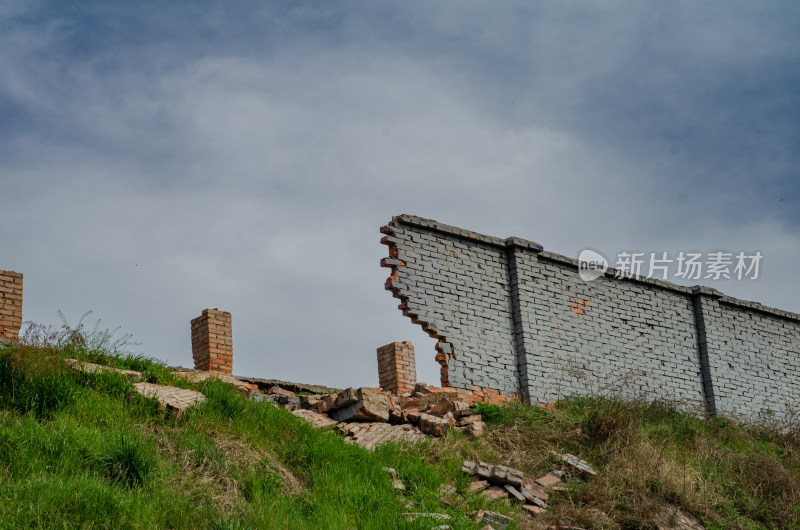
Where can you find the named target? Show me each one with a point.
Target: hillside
(80, 450)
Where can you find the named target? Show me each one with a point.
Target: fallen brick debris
(396, 482)
(576, 463)
(497, 482)
(410, 516)
(493, 520)
(370, 417)
(92, 368)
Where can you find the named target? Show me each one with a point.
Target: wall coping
(538, 249)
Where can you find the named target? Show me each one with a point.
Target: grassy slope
(78, 451)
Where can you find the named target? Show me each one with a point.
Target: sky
(159, 158)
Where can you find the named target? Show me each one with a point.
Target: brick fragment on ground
(495, 492)
(494, 520)
(310, 401)
(453, 502)
(92, 368)
(476, 429)
(361, 404)
(478, 485)
(315, 418)
(433, 425)
(473, 418)
(410, 516)
(442, 407)
(515, 493)
(576, 463)
(278, 391)
(534, 510)
(548, 481)
(172, 398)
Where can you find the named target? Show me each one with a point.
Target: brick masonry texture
(513, 317)
(10, 305)
(212, 341)
(397, 371)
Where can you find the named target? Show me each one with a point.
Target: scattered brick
(494, 520)
(362, 404)
(514, 492)
(548, 481)
(432, 425)
(534, 510)
(278, 391)
(576, 463)
(494, 493)
(452, 502)
(478, 485)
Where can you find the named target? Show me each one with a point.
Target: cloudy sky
(158, 158)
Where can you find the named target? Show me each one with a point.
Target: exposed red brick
(212, 341)
(397, 370)
(10, 305)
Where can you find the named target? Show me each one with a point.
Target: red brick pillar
(397, 371)
(212, 341)
(10, 305)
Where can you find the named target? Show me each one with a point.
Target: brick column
(397, 371)
(212, 341)
(10, 306)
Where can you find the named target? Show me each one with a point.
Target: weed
(126, 458)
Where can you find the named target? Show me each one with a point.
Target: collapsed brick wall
(212, 341)
(10, 305)
(510, 316)
(397, 370)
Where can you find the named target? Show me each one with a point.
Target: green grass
(81, 451)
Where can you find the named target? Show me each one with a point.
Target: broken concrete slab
(92, 368)
(174, 399)
(362, 404)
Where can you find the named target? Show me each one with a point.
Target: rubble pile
(498, 482)
(370, 416)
